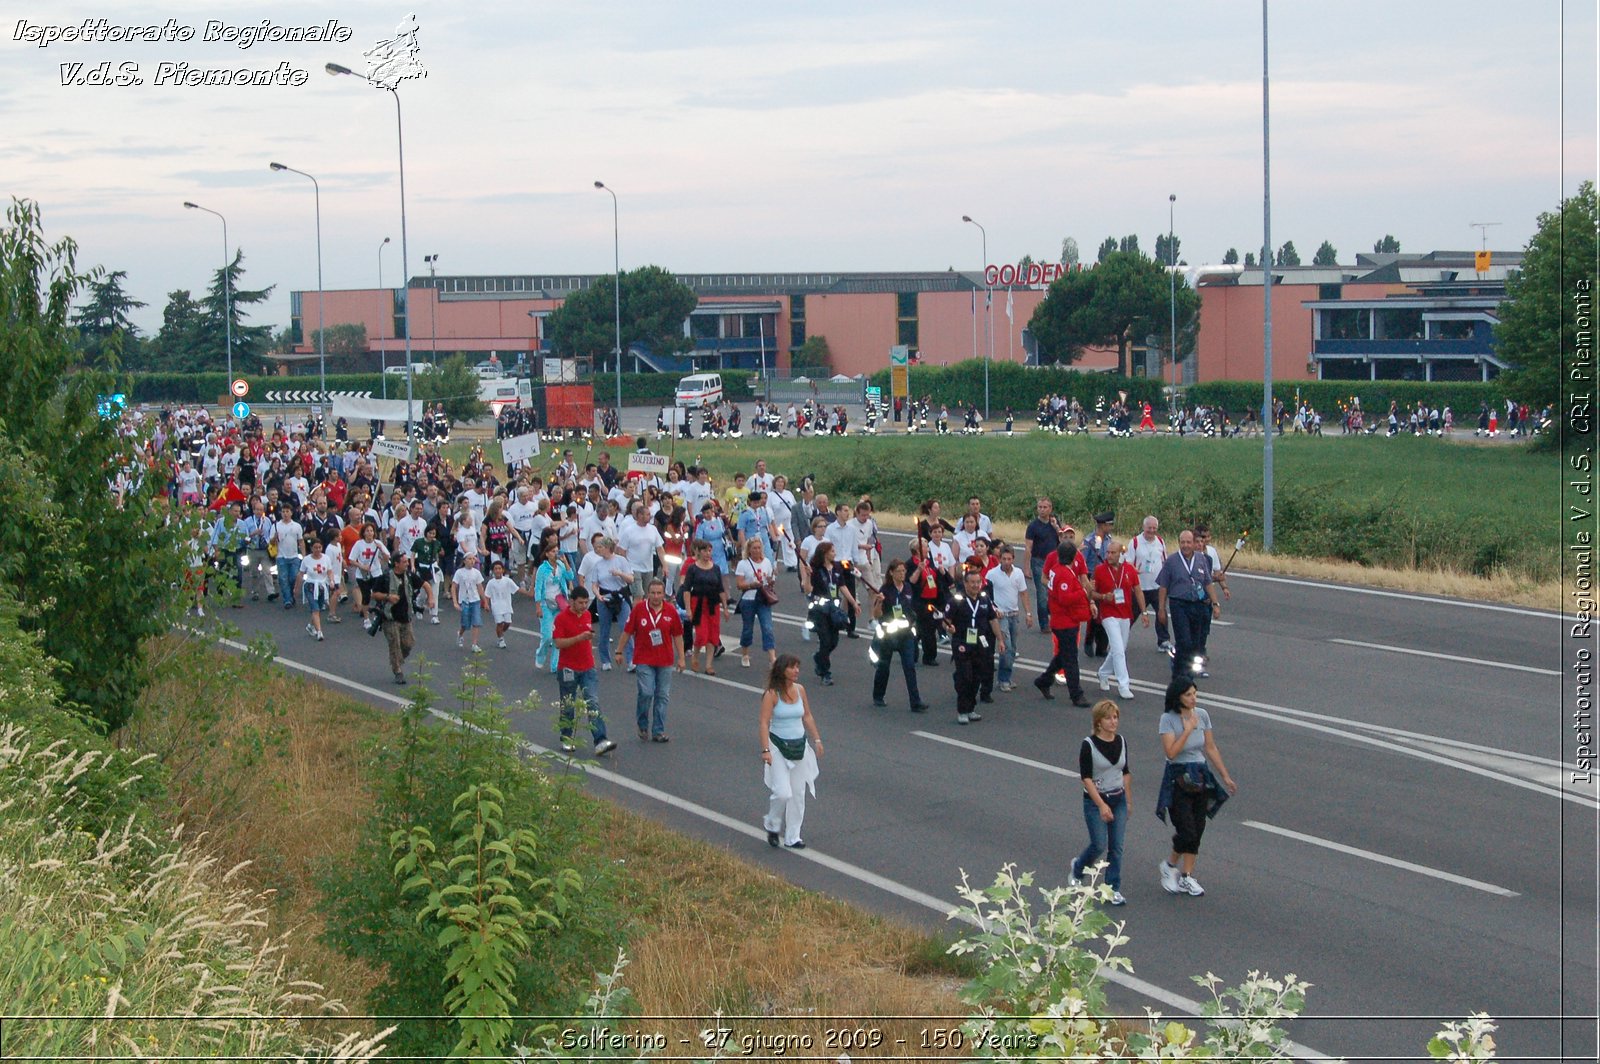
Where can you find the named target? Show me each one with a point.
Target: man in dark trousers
(1094, 550)
(975, 635)
(395, 600)
(1188, 593)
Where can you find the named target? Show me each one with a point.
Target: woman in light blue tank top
(789, 761)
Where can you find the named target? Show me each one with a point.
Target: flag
(1481, 260)
(1008, 304)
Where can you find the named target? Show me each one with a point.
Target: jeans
(655, 687)
(547, 636)
(1116, 663)
(1041, 591)
(1188, 635)
(584, 687)
(606, 622)
(288, 573)
(1010, 624)
(903, 646)
(751, 611)
(1104, 838)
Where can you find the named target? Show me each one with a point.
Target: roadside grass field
(1403, 503)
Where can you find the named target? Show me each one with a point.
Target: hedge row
(1021, 388)
(209, 387)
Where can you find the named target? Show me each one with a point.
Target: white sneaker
(1105, 684)
(1190, 886)
(461, 641)
(570, 748)
(501, 643)
(1117, 898)
(1125, 694)
(605, 666)
(199, 611)
(1169, 878)
(310, 629)
(434, 619)
(476, 649)
(318, 635)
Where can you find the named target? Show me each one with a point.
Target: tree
(453, 383)
(1555, 287)
(1230, 257)
(654, 306)
(179, 346)
(1108, 246)
(1327, 255)
(250, 342)
(1129, 244)
(1024, 262)
(1250, 258)
(94, 580)
(1163, 254)
(811, 355)
(1122, 299)
(102, 323)
(345, 343)
(1287, 255)
(1069, 251)
(1387, 246)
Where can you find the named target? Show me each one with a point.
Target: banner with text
(396, 449)
(649, 464)
(520, 448)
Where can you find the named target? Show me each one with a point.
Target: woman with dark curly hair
(1190, 791)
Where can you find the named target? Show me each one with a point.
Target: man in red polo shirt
(656, 632)
(577, 676)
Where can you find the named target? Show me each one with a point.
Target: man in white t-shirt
(846, 539)
(476, 500)
(985, 526)
(760, 480)
(409, 529)
(640, 543)
(1147, 553)
(1008, 588)
(287, 533)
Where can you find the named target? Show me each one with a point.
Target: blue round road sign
(241, 410)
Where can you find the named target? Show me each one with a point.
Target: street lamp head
(966, 217)
(189, 205)
(385, 240)
(1173, 198)
(276, 166)
(335, 68)
(599, 184)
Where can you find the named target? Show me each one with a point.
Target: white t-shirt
(319, 571)
(845, 540)
(760, 572)
(569, 535)
(941, 555)
(639, 543)
(367, 558)
(469, 584)
(866, 536)
(478, 502)
(808, 546)
(521, 516)
(287, 535)
(1147, 559)
(406, 533)
(601, 574)
(467, 539)
(1008, 592)
(498, 591)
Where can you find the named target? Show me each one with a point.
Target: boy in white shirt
(498, 591)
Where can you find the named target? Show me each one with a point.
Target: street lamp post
(227, 284)
(1266, 294)
(988, 310)
(405, 259)
(616, 285)
(322, 353)
(433, 315)
(1172, 298)
(380, 261)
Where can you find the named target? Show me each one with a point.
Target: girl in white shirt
(312, 585)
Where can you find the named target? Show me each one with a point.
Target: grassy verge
(271, 769)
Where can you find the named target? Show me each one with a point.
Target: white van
(698, 389)
(505, 391)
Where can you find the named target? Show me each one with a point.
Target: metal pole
(227, 286)
(988, 310)
(322, 354)
(380, 261)
(1172, 297)
(1266, 293)
(405, 262)
(616, 286)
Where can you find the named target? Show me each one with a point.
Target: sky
(797, 137)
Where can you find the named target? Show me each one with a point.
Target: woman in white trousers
(789, 761)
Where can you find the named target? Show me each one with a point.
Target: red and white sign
(240, 388)
(1037, 273)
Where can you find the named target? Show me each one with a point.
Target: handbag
(790, 749)
(767, 593)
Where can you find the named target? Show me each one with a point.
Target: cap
(1104, 518)
(1069, 528)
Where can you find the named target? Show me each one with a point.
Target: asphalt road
(1405, 836)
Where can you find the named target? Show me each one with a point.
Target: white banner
(398, 449)
(639, 462)
(520, 448)
(373, 409)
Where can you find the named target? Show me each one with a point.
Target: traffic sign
(241, 409)
(240, 388)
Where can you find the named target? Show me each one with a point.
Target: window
(1400, 324)
(1351, 324)
(1329, 291)
(908, 333)
(797, 334)
(906, 306)
(703, 326)
(797, 308)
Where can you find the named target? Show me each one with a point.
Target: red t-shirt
(578, 657)
(654, 634)
(1109, 578)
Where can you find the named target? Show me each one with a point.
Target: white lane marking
(1000, 754)
(1393, 862)
(1362, 591)
(1172, 1000)
(1446, 657)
